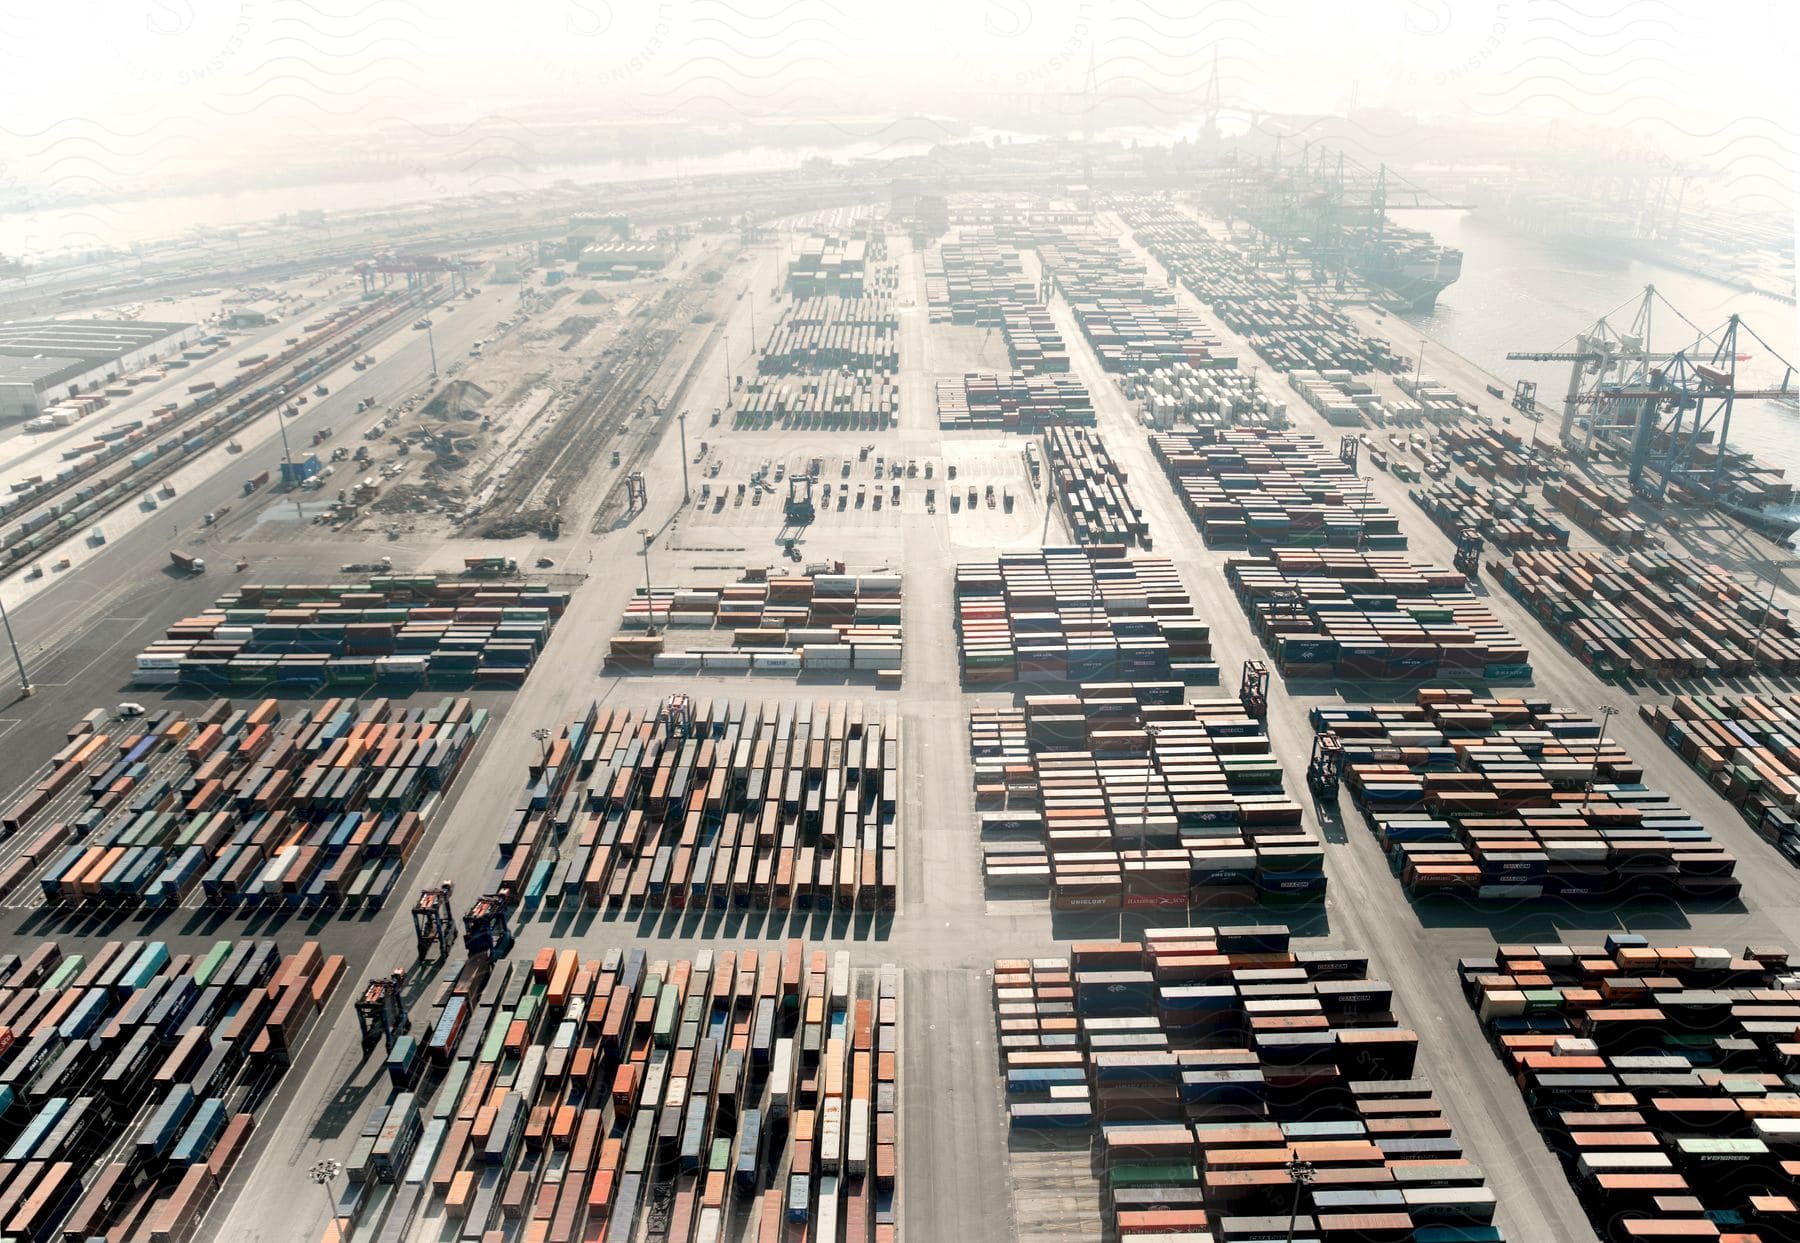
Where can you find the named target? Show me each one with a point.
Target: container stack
(1651, 614)
(1090, 487)
(984, 401)
(1212, 396)
(242, 808)
(1244, 487)
(1748, 749)
(396, 632)
(1503, 515)
(566, 1098)
(1372, 616)
(843, 400)
(976, 280)
(1125, 797)
(697, 804)
(1079, 615)
(126, 1075)
(1492, 453)
(1210, 1059)
(1439, 402)
(1034, 344)
(1658, 1075)
(826, 334)
(1602, 509)
(814, 623)
(1511, 799)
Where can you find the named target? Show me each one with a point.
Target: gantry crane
(484, 927)
(381, 1010)
(433, 922)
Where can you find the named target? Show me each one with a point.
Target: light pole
(649, 592)
(686, 496)
(543, 737)
(431, 345)
(324, 1174)
(1419, 371)
(25, 685)
(1301, 1173)
(1607, 713)
(287, 456)
(1775, 569)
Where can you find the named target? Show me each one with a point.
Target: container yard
(1515, 800)
(133, 1078)
(730, 1095)
(550, 606)
(239, 809)
(1236, 1086)
(1079, 614)
(1128, 797)
(818, 624)
(1244, 488)
(1654, 1072)
(709, 805)
(1372, 617)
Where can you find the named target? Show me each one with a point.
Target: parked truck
(479, 566)
(255, 481)
(187, 562)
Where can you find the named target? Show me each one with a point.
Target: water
(1518, 293)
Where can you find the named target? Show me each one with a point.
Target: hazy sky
(109, 93)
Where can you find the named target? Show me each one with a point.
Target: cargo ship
(1411, 265)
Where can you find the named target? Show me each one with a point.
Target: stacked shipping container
(1661, 1077)
(1510, 799)
(984, 401)
(1221, 1064)
(1125, 796)
(130, 1079)
(1078, 614)
(711, 805)
(1090, 486)
(315, 811)
(570, 1099)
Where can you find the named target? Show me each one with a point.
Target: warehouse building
(44, 361)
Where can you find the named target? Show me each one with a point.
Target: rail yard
(792, 712)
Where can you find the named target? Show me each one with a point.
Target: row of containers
(824, 334)
(1016, 402)
(1502, 514)
(1091, 488)
(1330, 613)
(1748, 750)
(1343, 399)
(1079, 615)
(735, 1094)
(1602, 508)
(1653, 614)
(1245, 487)
(832, 624)
(131, 1079)
(442, 631)
(1131, 324)
(1661, 1077)
(1127, 797)
(1509, 800)
(1207, 395)
(243, 809)
(122, 461)
(1236, 1088)
(976, 280)
(841, 400)
(1034, 344)
(1493, 453)
(1261, 305)
(710, 804)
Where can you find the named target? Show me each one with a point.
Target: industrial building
(623, 259)
(44, 361)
